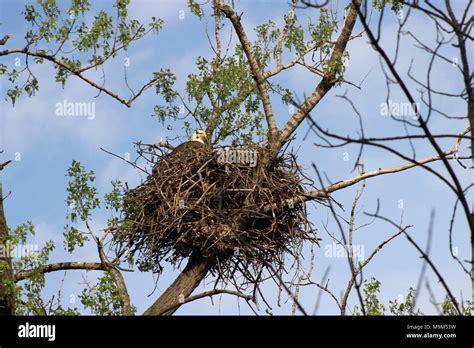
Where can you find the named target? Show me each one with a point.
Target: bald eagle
(183, 153)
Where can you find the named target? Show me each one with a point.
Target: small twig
(209, 293)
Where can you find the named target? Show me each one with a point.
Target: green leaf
(195, 9)
(103, 298)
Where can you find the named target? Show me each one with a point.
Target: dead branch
(425, 257)
(375, 43)
(325, 192)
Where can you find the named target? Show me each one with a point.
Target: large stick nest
(195, 204)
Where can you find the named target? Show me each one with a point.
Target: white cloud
(168, 10)
(33, 120)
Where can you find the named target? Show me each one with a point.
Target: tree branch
(357, 270)
(427, 259)
(112, 268)
(284, 32)
(257, 73)
(78, 73)
(122, 289)
(4, 40)
(53, 267)
(383, 55)
(7, 299)
(326, 83)
(209, 293)
(182, 287)
(325, 192)
(4, 164)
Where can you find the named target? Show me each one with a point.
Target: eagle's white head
(200, 136)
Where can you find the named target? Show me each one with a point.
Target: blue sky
(47, 144)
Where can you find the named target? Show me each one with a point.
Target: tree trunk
(7, 304)
(182, 287)
(471, 222)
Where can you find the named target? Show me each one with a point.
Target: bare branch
(209, 293)
(325, 192)
(427, 259)
(4, 40)
(375, 43)
(357, 270)
(4, 164)
(53, 267)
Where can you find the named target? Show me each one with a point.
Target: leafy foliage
(222, 87)
(103, 298)
(448, 307)
(195, 8)
(395, 5)
(29, 299)
(73, 237)
(223, 95)
(407, 307)
(371, 302)
(67, 30)
(82, 198)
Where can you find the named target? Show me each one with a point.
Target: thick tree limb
(122, 289)
(116, 274)
(60, 266)
(7, 302)
(326, 83)
(182, 287)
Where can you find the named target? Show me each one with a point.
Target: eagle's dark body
(184, 155)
